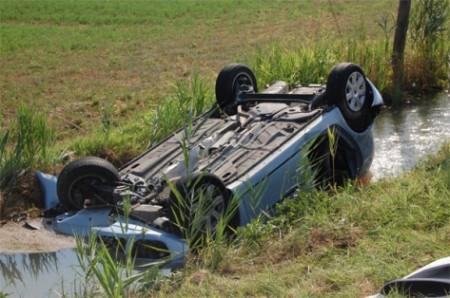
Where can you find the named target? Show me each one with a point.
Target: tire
(198, 205)
(75, 182)
(231, 80)
(347, 87)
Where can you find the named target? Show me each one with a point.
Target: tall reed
(111, 261)
(190, 100)
(428, 58)
(112, 268)
(311, 62)
(25, 146)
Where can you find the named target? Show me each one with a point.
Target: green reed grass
(189, 100)
(25, 146)
(190, 206)
(115, 277)
(111, 264)
(429, 55)
(191, 201)
(311, 62)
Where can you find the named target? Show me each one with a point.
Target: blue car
(249, 151)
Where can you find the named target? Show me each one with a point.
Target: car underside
(247, 148)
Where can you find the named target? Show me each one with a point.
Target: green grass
(109, 266)
(71, 57)
(312, 62)
(341, 244)
(27, 144)
(118, 141)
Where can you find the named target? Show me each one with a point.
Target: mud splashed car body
(250, 144)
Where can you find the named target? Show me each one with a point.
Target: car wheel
(347, 87)
(77, 181)
(232, 80)
(198, 205)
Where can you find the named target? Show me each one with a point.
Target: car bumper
(100, 222)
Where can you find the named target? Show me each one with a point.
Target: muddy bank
(16, 237)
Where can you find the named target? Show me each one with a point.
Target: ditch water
(36, 275)
(402, 138)
(405, 136)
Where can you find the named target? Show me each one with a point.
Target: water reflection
(38, 274)
(33, 263)
(405, 136)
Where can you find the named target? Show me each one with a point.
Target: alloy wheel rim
(355, 91)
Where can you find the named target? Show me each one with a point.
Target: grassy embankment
(340, 244)
(92, 72)
(74, 59)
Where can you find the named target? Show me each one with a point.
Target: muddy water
(405, 136)
(39, 274)
(402, 138)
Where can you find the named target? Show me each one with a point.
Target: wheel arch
(348, 157)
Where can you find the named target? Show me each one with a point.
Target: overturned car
(249, 140)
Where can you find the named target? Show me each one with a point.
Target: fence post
(404, 7)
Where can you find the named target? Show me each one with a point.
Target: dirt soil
(17, 237)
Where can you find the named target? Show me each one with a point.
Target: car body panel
(432, 280)
(48, 187)
(277, 174)
(377, 98)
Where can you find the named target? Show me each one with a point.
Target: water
(402, 138)
(38, 274)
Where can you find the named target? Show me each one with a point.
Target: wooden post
(404, 6)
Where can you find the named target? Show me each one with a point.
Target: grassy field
(72, 59)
